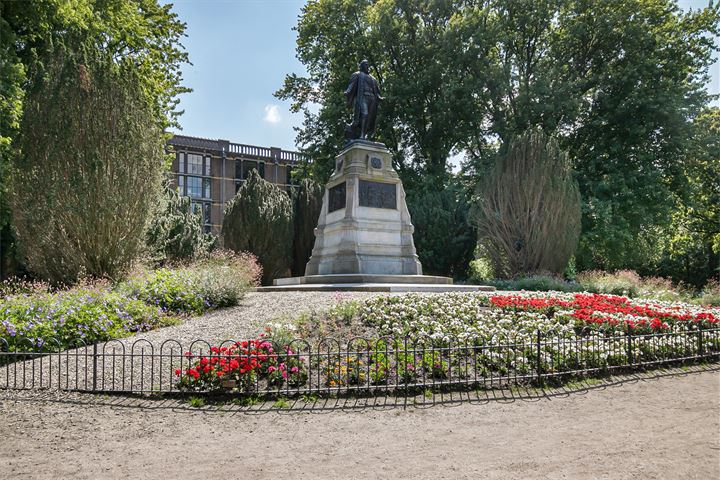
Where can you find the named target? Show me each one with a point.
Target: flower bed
(97, 312)
(461, 338)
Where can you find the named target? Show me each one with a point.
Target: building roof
(236, 150)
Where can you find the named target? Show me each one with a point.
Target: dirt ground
(658, 426)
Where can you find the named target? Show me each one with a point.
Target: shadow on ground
(427, 399)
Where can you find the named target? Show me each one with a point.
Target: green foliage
(84, 314)
(307, 203)
(538, 283)
(528, 213)
(259, 220)
(710, 295)
(629, 283)
(218, 281)
(443, 237)
(136, 42)
(619, 82)
(691, 246)
(89, 171)
(175, 231)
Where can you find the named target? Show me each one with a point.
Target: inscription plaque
(336, 199)
(377, 195)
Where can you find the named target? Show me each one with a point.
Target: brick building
(211, 171)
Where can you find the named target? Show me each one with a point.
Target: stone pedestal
(364, 226)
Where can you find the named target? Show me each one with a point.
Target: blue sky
(241, 51)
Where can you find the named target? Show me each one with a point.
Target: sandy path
(667, 427)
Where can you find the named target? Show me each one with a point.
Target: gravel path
(647, 428)
(249, 318)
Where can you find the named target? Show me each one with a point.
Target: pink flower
(294, 369)
(271, 369)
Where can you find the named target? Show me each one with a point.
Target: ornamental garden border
(380, 366)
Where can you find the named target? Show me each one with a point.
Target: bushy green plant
(217, 281)
(175, 231)
(84, 314)
(710, 295)
(537, 283)
(307, 203)
(91, 157)
(259, 220)
(444, 239)
(629, 283)
(528, 212)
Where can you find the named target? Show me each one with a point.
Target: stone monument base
(364, 236)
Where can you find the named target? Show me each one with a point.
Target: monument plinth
(364, 225)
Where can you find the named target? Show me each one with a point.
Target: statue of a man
(363, 93)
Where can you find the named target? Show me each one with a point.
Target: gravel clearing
(249, 318)
(655, 427)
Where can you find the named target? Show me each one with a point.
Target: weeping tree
(307, 203)
(92, 152)
(175, 231)
(259, 220)
(528, 208)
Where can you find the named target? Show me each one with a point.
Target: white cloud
(272, 114)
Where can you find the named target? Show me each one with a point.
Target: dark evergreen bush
(259, 220)
(175, 231)
(444, 239)
(307, 202)
(89, 171)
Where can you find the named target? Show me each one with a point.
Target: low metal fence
(329, 366)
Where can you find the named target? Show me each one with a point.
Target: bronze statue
(363, 93)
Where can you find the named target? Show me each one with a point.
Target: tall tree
(139, 36)
(619, 83)
(89, 169)
(528, 214)
(259, 220)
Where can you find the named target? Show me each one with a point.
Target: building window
(181, 162)
(246, 167)
(181, 185)
(288, 175)
(195, 164)
(194, 187)
(208, 161)
(206, 212)
(238, 170)
(206, 188)
(203, 209)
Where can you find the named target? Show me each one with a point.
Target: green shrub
(217, 281)
(89, 168)
(175, 231)
(444, 239)
(87, 314)
(528, 212)
(259, 220)
(710, 295)
(629, 283)
(307, 203)
(538, 283)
